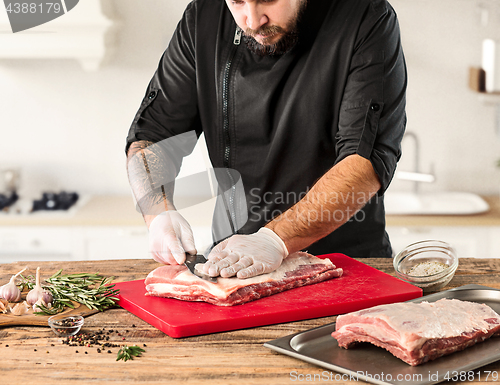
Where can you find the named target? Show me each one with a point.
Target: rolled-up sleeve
(169, 106)
(372, 114)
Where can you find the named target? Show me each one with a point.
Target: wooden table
(36, 355)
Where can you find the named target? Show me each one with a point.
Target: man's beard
(288, 40)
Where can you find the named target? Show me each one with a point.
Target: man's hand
(246, 255)
(170, 237)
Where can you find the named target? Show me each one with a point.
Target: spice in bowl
(427, 268)
(429, 264)
(66, 326)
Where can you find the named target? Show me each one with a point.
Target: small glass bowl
(426, 251)
(66, 326)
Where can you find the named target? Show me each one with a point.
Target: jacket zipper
(230, 206)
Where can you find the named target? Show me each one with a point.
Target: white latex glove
(246, 255)
(170, 237)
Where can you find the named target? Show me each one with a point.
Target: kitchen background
(64, 127)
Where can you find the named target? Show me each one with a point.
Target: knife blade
(192, 261)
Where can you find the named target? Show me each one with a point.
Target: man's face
(269, 25)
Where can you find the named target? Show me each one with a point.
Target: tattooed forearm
(151, 175)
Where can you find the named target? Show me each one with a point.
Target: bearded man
(302, 105)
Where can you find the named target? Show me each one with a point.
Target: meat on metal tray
(376, 365)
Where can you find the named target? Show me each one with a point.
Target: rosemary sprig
(129, 352)
(91, 290)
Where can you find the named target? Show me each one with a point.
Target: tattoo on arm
(143, 163)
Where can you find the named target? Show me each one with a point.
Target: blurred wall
(66, 128)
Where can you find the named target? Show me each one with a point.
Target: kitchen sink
(435, 203)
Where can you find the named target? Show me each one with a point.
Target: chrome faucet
(415, 175)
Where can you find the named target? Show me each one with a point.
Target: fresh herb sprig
(129, 352)
(91, 290)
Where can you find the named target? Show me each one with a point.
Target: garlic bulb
(19, 308)
(10, 291)
(38, 293)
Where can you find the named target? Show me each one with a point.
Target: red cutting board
(360, 286)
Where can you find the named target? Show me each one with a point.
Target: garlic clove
(47, 298)
(20, 308)
(3, 305)
(41, 301)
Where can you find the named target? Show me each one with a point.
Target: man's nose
(255, 17)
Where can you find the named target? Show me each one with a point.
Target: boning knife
(192, 261)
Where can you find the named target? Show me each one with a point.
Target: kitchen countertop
(36, 355)
(489, 218)
(120, 211)
(111, 210)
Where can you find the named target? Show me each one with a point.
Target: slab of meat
(298, 269)
(419, 332)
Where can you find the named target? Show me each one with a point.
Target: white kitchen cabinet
(31, 243)
(63, 243)
(108, 242)
(494, 251)
(468, 241)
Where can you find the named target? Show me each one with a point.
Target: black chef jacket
(283, 121)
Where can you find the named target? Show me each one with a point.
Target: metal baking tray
(376, 365)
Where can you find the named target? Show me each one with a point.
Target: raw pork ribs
(298, 269)
(419, 332)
